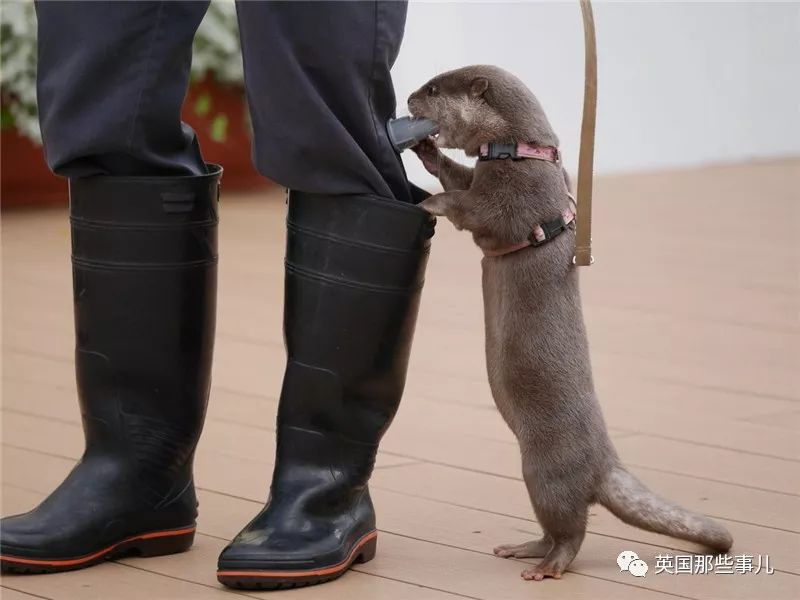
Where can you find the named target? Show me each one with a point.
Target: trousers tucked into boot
(144, 283)
(354, 274)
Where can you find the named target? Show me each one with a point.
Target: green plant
(216, 54)
(18, 73)
(218, 130)
(216, 49)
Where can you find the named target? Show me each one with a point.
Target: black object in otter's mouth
(406, 132)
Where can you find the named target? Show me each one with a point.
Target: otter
(537, 352)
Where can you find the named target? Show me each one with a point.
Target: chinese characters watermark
(721, 564)
(696, 564)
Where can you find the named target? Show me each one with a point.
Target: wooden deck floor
(692, 309)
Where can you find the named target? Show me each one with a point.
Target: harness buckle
(554, 227)
(502, 151)
(550, 230)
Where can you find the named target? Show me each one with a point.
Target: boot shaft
(354, 273)
(144, 254)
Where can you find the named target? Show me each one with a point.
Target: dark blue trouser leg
(112, 78)
(320, 93)
(113, 75)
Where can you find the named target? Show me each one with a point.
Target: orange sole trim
(84, 559)
(307, 573)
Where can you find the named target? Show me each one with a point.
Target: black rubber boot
(354, 274)
(144, 284)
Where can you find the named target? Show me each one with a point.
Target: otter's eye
(433, 90)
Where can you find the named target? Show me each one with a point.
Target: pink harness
(518, 151)
(543, 232)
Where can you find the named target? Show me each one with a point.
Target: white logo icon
(638, 568)
(630, 561)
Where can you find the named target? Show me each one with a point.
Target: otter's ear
(478, 86)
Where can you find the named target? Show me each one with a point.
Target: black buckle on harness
(552, 229)
(500, 152)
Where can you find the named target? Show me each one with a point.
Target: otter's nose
(412, 103)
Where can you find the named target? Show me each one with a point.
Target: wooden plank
(758, 378)
(714, 464)
(66, 439)
(789, 421)
(16, 500)
(9, 593)
(702, 429)
(446, 489)
(498, 457)
(606, 289)
(627, 325)
(637, 406)
(425, 417)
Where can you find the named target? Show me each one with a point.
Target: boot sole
(258, 579)
(154, 543)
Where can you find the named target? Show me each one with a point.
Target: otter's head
(481, 104)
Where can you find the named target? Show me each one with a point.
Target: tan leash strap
(583, 235)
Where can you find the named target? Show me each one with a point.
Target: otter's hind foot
(554, 563)
(532, 549)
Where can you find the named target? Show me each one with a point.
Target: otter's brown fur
(536, 347)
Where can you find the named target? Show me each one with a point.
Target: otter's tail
(628, 499)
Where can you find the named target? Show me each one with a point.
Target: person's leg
(355, 262)
(320, 93)
(144, 283)
(112, 77)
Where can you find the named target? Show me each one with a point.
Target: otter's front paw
(429, 154)
(436, 205)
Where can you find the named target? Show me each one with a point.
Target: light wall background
(680, 83)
